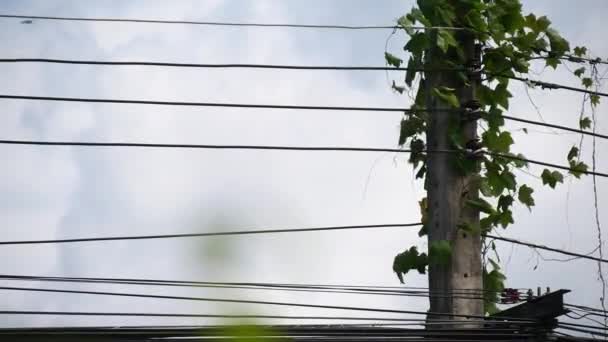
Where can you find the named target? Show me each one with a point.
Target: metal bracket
(472, 111)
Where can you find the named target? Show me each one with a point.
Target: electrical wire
(207, 104)
(216, 23)
(545, 124)
(221, 66)
(274, 231)
(206, 146)
(548, 85)
(268, 106)
(190, 235)
(551, 249)
(400, 291)
(538, 162)
(243, 301)
(146, 314)
(284, 148)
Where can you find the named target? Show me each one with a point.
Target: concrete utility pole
(448, 192)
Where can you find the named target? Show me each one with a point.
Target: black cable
(532, 245)
(254, 286)
(204, 146)
(220, 66)
(207, 104)
(557, 166)
(597, 333)
(215, 23)
(565, 128)
(285, 148)
(268, 106)
(584, 308)
(547, 85)
(582, 325)
(243, 301)
(188, 235)
(397, 289)
(146, 314)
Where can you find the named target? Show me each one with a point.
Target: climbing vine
(510, 41)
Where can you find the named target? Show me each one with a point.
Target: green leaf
(580, 51)
(551, 178)
(406, 24)
(595, 100)
(573, 153)
(552, 62)
(409, 260)
(417, 15)
(525, 196)
(445, 39)
(587, 82)
(502, 95)
(417, 44)
(447, 95)
(543, 23)
(579, 72)
(497, 142)
(558, 44)
(578, 168)
(392, 60)
(481, 205)
(584, 123)
(505, 218)
(469, 228)
(504, 202)
(440, 252)
(508, 179)
(399, 89)
(413, 65)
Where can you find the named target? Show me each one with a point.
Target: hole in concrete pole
(466, 275)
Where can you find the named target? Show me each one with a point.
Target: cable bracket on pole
(471, 111)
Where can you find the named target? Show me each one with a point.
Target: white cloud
(97, 192)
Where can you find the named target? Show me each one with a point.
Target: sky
(63, 192)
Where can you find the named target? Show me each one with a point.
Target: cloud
(73, 192)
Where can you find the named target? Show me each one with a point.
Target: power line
(217, 23)
(458, 293)
(280, 148)
(205, 104)
(243, 301)
(538, 162)
(551, 249)
(565, 128)
(269, 106)
(204, 146)
(190, 235)
(220, 66)
(548, 85)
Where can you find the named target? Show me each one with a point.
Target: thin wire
(268, 106)
(538, 162)
(551, 249)
(565, 128)
(285, 148)
(468, 294)
(190, 235)
(138, 314)
(206, 104)
(215, 23)
(219, 66)
(206, 146)
(547, 85)
(243, 301)
(585, 308)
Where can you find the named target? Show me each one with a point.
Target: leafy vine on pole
(510, 42)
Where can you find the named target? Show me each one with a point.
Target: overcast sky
(57, 192)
